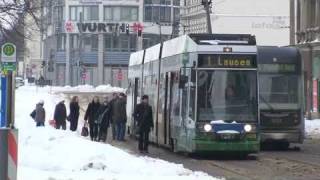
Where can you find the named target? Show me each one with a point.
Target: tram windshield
(227, 95)
(279, 91)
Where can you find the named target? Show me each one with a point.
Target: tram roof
(136, 58)
(191, 43)
(268, 54)
(152, 53)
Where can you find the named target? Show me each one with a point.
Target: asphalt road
(292, 164)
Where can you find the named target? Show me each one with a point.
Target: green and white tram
(204, 92)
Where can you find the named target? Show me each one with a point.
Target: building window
(90, 13)
(120, 13)
(123, 43)
(108, 13)
(73, 13)
(90, 43)
(129, 14)
(160, 11)
(61, 44)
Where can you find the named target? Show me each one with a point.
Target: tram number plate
(227, 136)
(276, 121)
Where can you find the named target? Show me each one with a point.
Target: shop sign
(98, 27)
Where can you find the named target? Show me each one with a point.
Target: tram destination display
(278, 68)
(227, 61)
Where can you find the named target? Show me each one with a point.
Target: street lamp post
(207, 6)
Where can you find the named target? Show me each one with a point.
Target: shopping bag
(85, 130)
(52, 123)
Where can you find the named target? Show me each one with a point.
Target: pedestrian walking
(119, 116)
(113, 124)
(74, 113)
(91, 117)
(39, 114)
(60, 115)
(144, 117)
(104, 120)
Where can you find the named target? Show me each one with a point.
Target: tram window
(227, 95)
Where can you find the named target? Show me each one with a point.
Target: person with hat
(39, 114)
(144, 118)
(60, 115)
(104, 120)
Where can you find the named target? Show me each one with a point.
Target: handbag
(52, 123)
(85, 130)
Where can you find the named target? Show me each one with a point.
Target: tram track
(304, 164)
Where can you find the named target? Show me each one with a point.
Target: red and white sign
(70, 27)
(137, 27)
(84, 76)
(315, 96)
(12, 154)
(119, 75)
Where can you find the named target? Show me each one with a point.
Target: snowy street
(45, 153)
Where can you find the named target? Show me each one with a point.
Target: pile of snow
(313, 128)
(49, 154)
(88, 88)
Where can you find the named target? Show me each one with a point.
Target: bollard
(8, 153)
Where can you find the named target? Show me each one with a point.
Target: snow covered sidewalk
(313, 128)
(49, 154)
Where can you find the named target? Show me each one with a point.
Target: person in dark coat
(91, 117)
(39, 114)
(119, 116)
(144, 117)
(74, 113)
(104, 120)
(60, 115)
(113, 124)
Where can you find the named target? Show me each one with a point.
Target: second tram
(203, 90)
(281, 95)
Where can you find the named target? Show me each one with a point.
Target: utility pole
(79, 74)
(292, 22)
(207, 6)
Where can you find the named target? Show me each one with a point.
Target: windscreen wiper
(266, 102)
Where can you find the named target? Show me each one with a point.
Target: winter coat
(92, 112)
(74, 112)
(104, 116)
(40, 113)
(144, 117)
(118, 110)
(60, 112)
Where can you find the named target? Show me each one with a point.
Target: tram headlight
(248, 128)
(207, 127)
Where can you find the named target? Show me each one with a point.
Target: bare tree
(13, 12)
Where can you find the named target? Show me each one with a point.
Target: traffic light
(127, 29)
(50, 66)
(43, 64)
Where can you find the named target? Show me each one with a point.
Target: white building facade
(267, 20)
(90, 41)
(193, 17)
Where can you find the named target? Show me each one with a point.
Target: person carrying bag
(85, 130)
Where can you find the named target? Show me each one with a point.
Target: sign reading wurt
(96, 27)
